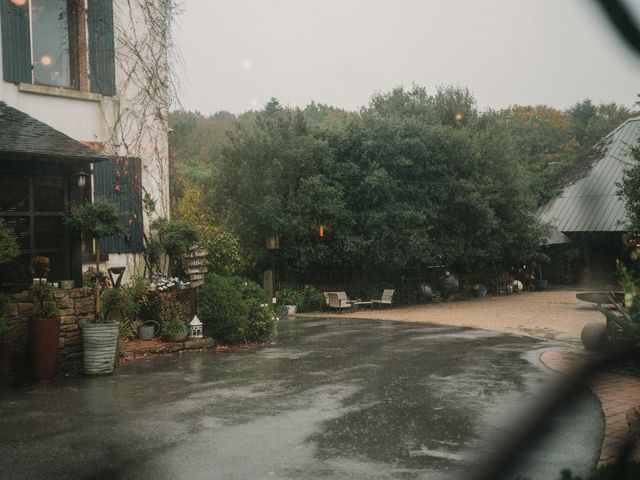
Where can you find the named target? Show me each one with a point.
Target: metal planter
(100, 342)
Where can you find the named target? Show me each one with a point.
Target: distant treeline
(412, 179)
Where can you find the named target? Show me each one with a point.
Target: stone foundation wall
(76, 307)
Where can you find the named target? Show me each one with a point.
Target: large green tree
(403, 184)
(630, 189)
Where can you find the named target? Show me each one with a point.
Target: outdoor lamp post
(195, 327)
(273, 245)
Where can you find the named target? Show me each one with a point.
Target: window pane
(52, 42)
(48, 233)
(14, 194)
(48, 194)
(15, 275)
(21, 227)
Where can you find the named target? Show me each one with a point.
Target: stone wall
(76, 307)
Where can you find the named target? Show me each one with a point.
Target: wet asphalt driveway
(331, 399)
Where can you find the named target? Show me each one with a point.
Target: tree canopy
(410, 180)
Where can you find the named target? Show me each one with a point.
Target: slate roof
(591, 203)
(22, 136)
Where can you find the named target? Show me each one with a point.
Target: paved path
(553, 314)
(619, 397)
(330, 399)
(550, 314)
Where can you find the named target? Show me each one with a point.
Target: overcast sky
(239, 53)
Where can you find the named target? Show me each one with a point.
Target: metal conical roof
(591, 203)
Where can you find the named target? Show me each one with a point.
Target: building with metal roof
(591, 202)
(589, 212)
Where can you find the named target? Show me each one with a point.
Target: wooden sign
(196, 253)
(195, 262)
(195, 265)
(195, 270)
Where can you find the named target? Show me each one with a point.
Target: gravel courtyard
(551, 314)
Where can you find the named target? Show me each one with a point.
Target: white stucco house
(84, 100)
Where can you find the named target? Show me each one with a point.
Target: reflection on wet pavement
(331, 398)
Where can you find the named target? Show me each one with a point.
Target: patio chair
(386, 299)
(338, 300)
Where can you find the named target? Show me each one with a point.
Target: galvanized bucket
(147, 332)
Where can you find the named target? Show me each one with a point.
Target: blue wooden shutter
(16, 44)
(119, 181)
(101, 46)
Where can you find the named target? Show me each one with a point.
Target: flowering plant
(40, 267)
(170, 284)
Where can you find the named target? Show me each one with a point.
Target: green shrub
(291, 297)
(8, 243)
(118, 303)
(312, 299)
(262, 323)
(224, 312)
(236, 310)
(174, 327)
(44, 304)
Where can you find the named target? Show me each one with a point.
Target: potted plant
(44, 333)
(174, 331)
(292, 300)
(100, 338)
(40, 268)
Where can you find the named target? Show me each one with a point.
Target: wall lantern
(82, 179)
(195, 327)
(273, 241)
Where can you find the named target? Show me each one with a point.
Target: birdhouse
(196, 327)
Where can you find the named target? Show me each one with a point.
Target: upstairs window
(61, 43)
(54, 42)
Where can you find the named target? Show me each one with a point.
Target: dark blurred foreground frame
(619, 15)
(534, 427)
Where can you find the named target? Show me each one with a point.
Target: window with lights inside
(59, 43)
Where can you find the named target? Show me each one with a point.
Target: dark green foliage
(401, 185)
(43, 300)
(313, 299)
(174, 327)
(150, 307)
(176, 238)
(261, 322)
(630, 190)
(411, 180)
(99, 219)
(223, 311)
(236, 310)
(119, 304)
(291, 297)
(8, 244)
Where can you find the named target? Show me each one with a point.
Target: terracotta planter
(5, 365)
(44, 334)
